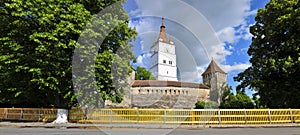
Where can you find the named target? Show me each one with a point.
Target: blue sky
(201, 29)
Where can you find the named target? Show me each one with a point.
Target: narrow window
(170, 62)
(164, 61)
(139, 91)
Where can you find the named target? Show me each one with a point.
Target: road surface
(115, 131)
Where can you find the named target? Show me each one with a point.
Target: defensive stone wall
(167, 97)
(162, 97)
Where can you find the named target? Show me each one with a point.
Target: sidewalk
(147, 126)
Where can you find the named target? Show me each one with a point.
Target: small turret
(215, 78)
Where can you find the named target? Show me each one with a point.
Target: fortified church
(166, 91)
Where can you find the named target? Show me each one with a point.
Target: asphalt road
(212, 131)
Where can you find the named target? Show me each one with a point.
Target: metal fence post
(6, 113)
(21, 114)
(269, 114)
(192, 116)
(165, 116)
(219, 116)
(138, 115)
(39, 118)
(291, 113)
(245, 116)
(110, 117)
(85, 115)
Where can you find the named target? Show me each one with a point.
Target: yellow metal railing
(158, 116)
(28, 114)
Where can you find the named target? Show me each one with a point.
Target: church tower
(215, 78)
(163, 57)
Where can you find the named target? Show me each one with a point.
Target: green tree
(143, 74)
(206, 105)
(275, 55)
(200, 105)
(238, 101)
(37, 43)
(256, 101)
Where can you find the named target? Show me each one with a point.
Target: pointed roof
(213, 67)
(162, 33)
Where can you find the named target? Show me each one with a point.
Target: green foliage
(255, 98)
(143, 74)
(238, 101)
(275, 55)
(206, 105)
(37, 43)
(200, 105)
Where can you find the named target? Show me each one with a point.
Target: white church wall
(167, 73)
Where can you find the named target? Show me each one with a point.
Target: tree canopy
(37, 43)
(275, 55)
(239, 101)
(143, 74)
(206, 105)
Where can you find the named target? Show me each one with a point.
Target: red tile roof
(157, 83)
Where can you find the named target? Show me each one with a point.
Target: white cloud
(223, 13)
(225, 16)
(143, 60)
(247, 35)
(143, 25)
(139, 60)
(228, 34)
(231, 68)
(135, 12)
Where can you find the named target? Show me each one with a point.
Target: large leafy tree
(275, 55)
(240, 100)
(143, 74)
(37, 43)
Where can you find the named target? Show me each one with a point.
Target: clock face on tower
(167, 50)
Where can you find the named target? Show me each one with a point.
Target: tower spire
(162, 23)
(162, 34)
